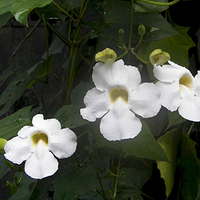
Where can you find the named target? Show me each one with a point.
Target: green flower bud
(121, 33)
(107, 56)
(141, 29)
(2, 144)
(159, 57)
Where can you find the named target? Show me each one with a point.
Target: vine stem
(131, 26)
(116, 180)
(161, 4)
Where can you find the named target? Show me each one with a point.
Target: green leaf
(4, 167)
(24, 189)
(74, 182)
(140, 6)
(130, 185)
(69, 116)
(144, 146)
(170, 143)
(9, 126)
(190, 168)
(177, 43)
(21, 9)
(13, 92)
(4, 18)
(74, 3)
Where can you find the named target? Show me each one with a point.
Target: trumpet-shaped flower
(117, 96)
(179, 90)
(36, 145)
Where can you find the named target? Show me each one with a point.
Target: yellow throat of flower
(39, 136)
(118, 93)
(186, 81)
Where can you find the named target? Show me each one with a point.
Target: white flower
(35, 145)
(179, 90)
(117, 96)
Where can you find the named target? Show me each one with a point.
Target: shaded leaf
(4, 167)
(21, 9)
(170, 143)
(177, 43)
(190, 168)
(74, 182)
(69, 116)
(9, 126)
(140, 6)
(24, 189)
(144, 146)
(4, 18)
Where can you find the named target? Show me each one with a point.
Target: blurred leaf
(190, 168)
(177, 43)
(69, 116)
(170, 143)
(130, 185)
(74, 3)
(21, 9)
(24, 189)
(4, 167)
(74, 182)
(9, 126)
(40, 70)
(140, 6)
(13, 91)
(4, 18)
(8, 71)
(144, 146)
(174, 119)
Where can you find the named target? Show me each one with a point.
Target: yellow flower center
(39, 136)
(118, 93)
(186, 81)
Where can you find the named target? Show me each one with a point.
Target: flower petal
(188, 108)
(97, 104)
(48, 125)
(102, 75)
(41, 163)
(18, 149)
(170, 95)
(145, 100)
(123, 75)
(63, 143)
(170, 73)
(120, 123)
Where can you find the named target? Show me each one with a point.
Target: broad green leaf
(13, 92)
(190, 168)
(21, 9)
(4, 167)
(144, 146)
(74, 3)
(140, 6)
(9, 126)
(24, 189)
(180, 43)
(170, 143)
(8, 71)
(174, 119)
(74, 182)
(130, 185)
(4, 18)
(69, 116)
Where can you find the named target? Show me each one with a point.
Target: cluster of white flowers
(118, 96)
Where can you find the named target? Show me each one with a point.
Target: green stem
(131, 26)
(66, 13)
(138, 44)
(143, 61)
(122, 55)
(116, 180)
(189, 131)
(161, 4)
